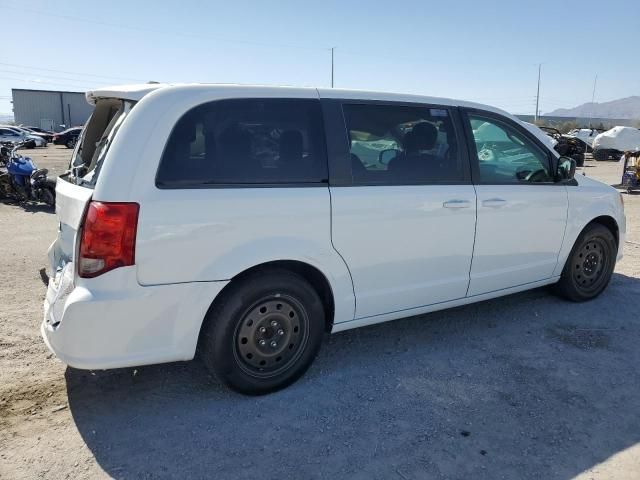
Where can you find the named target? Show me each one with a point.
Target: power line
(84, 87)
(164, 32)
(71, 73)
(53, 77)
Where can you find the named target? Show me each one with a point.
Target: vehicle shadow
(31, 207)
(524, 386)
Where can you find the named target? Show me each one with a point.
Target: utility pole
(593, 96)
(332, 48)
(535, 117)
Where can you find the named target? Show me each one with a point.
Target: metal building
(51, 110)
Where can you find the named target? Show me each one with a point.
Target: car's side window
(246, 142)
(504, 155)
(400, 145)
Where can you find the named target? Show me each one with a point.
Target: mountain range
(623, 108)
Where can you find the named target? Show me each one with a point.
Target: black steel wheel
(271, 336)
(590, 264)
(264, 331)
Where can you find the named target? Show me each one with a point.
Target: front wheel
(590, 265)
(71, 143)
(264, 333)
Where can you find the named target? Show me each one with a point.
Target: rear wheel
(600, 155)
(264, 333)
(590, 265)
(48, 193)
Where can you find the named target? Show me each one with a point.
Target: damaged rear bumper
(112, 321)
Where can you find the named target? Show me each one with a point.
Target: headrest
(422, 136)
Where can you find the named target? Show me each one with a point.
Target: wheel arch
(312, 274)
(607, 221)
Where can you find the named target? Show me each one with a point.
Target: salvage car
(586, 136)
(566, 145)
(67, 137)
(240, 223)
(9, 133)
(48, 136)
(611, 144)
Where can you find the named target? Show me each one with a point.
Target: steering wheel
(539, 175)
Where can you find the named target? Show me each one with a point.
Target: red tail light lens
(108, 238)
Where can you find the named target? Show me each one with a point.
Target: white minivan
(246, 222)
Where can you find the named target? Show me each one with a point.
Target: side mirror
(566, 168)
(385, 156)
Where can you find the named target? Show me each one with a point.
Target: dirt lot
(527, 386)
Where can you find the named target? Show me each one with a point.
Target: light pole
(593, 96)
(535, 117)
(332, 49)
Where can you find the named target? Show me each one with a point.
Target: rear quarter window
(246, 142)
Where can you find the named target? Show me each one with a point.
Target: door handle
(494, 203)
(457, 204)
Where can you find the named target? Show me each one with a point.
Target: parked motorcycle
(22, 180)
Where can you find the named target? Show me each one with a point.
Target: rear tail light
(108, 238)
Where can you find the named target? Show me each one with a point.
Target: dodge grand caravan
(245, 222)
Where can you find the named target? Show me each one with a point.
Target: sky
(484, 51)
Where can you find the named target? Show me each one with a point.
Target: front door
(522, 212)
(404, 221)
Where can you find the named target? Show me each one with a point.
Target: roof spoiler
(124, 92)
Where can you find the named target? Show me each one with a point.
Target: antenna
(535, 117)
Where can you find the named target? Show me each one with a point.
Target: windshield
(95, 139)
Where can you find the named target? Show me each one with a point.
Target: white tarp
(585, 134)
(618, 138)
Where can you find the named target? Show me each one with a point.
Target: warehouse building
(51, 110)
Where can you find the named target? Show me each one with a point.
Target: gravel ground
(527, 386)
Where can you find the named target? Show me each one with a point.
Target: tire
(273, 309)
(71, 143)
(48, 195)
(589, 266)
(600, 155)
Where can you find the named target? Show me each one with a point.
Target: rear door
(403, 207)
(74, 189)
(522, 212)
